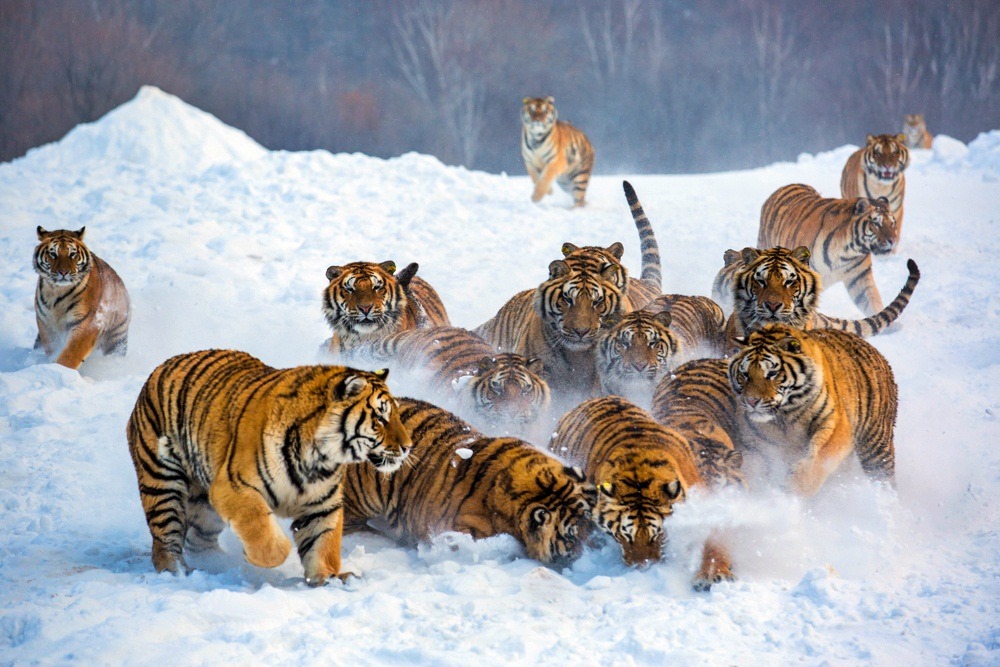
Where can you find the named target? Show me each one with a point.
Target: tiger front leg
(243, 508)
(81, 343)
(543, 185)
(318, 537)
(716, 566)
(828, 450)
(863, 290)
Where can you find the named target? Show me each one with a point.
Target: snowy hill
(224, 244)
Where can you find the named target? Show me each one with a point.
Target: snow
(224, 244)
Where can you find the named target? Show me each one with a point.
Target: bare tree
(898, 68)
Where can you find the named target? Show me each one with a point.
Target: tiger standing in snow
(554, 150)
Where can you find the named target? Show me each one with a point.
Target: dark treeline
(661, 86)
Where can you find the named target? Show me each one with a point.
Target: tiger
(364, 301)
(80, 302)
(554, 150)
(915, 131)
(842, 236)
(606, 262)
(641, 470)
(491, 388)
(634, 354)
(810, 398)
(458, 479)
(877, 171)
(778, 285)
(219, 437)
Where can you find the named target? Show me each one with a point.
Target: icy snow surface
(224, 244)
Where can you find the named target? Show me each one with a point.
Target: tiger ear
(333, 272)
(550, 99)
(525, 100)
(382, 374)
(351, 386)
(740, 340)
(557, 269)
(861, 206)
(485, 364)
(535, 365)
(801, 254)
(870, 139)
(616, 249)
(606, 488)
(729, 257)
(791, 345)
(883, 200)
(734, 459)
(80, 232)
(406, 275)
(612, 319)
(664, 317)
(388, 267)
(901, 138)
(574, 473)
(673, 489)
(749, 254)
(568, 248)
(41, 233)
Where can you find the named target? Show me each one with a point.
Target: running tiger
(499, 390)
(80, 302)
(218, 437)
(877, 171)
(365, 301)
(915, 131)
(821, 395)
(554, 150)
(460, 480)
(641, 470)
(841, 234)
(777, 285)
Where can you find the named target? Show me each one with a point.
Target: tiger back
(641, 470)
(365, 301)
(457, 479)
(554, 150)
(80, 302)
(808, 399)
(217, 437)
(842, 235)
(915, 131)
(877, 171)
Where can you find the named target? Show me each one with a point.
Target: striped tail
(878, 322)
(647, 239)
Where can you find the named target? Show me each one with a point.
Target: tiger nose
(752, 402)
(640, 365)
(365, 310)
(581, 332)
(773, 306)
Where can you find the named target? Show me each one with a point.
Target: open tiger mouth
(884, 173)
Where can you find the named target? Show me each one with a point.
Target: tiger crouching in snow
(841, 234)
(217, 438)
(498, 390)
(554, 150)
(777, 285)
(877, 171)
(810, 398)
(80, 302)
(458, 479)
(365, 301)
(641, 470)
(915, 131)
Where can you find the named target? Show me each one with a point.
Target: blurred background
(658, 85)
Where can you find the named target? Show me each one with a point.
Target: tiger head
(873, 226)
(886, 156)
(774, 372)
(364, 297)
(604, 263)
(361, 422)
(574, 305)
(636, 490)
(538, 114)
(550, 505)
(61, 257)
(509, 388)
(637, 351)
(776, 285)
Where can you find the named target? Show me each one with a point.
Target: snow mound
(949, 151)
(984, 151)
(156, 130)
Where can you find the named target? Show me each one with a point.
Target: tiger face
(369, 428)
(914, 128)
(364, 297)
(772, 374)
(776, 285)
(633, 499)
(574, 305)
(510, 388)
(61, 256)
(874, 226)
(538, 114)
(886, 156)
(637, 351)
(554, 504)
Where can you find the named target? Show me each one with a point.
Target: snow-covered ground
(224, 244)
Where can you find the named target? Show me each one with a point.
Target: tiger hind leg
(318, 538)
(203, 525)
(163, 491)
(577, 186)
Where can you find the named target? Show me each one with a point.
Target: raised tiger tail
(878, 322)
(647, 239)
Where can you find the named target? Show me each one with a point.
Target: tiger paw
(537, 196)
(316, 581)
(268, 552)
(709, 576)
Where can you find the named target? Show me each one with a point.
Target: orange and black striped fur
(80, 302)
(217, 438)
(364, 302)
(457, 479)
(554, 150)
(635, 353)
(841, 234)
(499, 390)
(877, 171)
(810, 398)
(915, 131)
(641, 470)
(777, 285)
